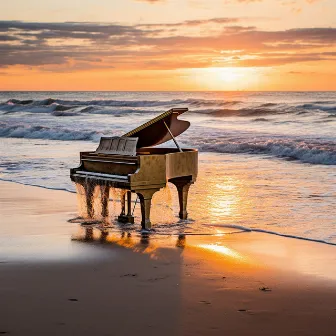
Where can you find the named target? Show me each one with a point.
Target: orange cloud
(73, 47)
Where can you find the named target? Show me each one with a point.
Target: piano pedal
(126, 219)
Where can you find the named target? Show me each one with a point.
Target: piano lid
(154, 132)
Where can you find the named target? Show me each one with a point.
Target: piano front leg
(105, 195)
(145, 197)
(182, 187)
(89, 190)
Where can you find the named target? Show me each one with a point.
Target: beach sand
(55, 279)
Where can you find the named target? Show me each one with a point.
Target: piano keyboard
(82, 173)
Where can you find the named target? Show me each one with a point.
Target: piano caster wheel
(126, 219)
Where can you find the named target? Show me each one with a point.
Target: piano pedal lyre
(123, 217)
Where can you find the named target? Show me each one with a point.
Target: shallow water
(267, 160)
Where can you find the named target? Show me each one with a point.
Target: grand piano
(131, 163)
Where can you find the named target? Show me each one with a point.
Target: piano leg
(103, 236)
(129, 203)
(105, 193)
(145, 197)
(88, 234)
(123, 203)
(123, 218)
(89, 190)
(182, 187)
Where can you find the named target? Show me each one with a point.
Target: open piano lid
(154, 132)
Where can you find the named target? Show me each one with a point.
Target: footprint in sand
(265, 289)
(205, 302)
(129, 275)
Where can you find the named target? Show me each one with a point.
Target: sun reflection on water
(224, 199)
(222, 250)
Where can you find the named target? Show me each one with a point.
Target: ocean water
(267, 159)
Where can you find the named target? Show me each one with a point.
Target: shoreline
(55, 278)
(238, 227)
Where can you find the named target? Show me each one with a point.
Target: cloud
(74, 27)
(192, 23)
(301, 72)
(313, 1)
(72, 46)
(295, 5)
(4, 38)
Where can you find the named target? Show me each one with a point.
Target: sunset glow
(149, 45)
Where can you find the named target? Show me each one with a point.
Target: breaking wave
(12, 104)
(74, 119)
(261, 120)
(307, 151)
(211, 107)
(45, 132)
(303, 151)
(243, 112)
(318, 107)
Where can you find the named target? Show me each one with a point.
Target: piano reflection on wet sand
(131, 163)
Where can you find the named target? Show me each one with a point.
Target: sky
(181, 45)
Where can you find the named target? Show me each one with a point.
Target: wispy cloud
(73, 46)
(193, 23)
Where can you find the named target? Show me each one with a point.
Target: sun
(230, 75)
(227, 78)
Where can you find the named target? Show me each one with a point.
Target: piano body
(131, 163)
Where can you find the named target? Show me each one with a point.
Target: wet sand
(55, 279)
